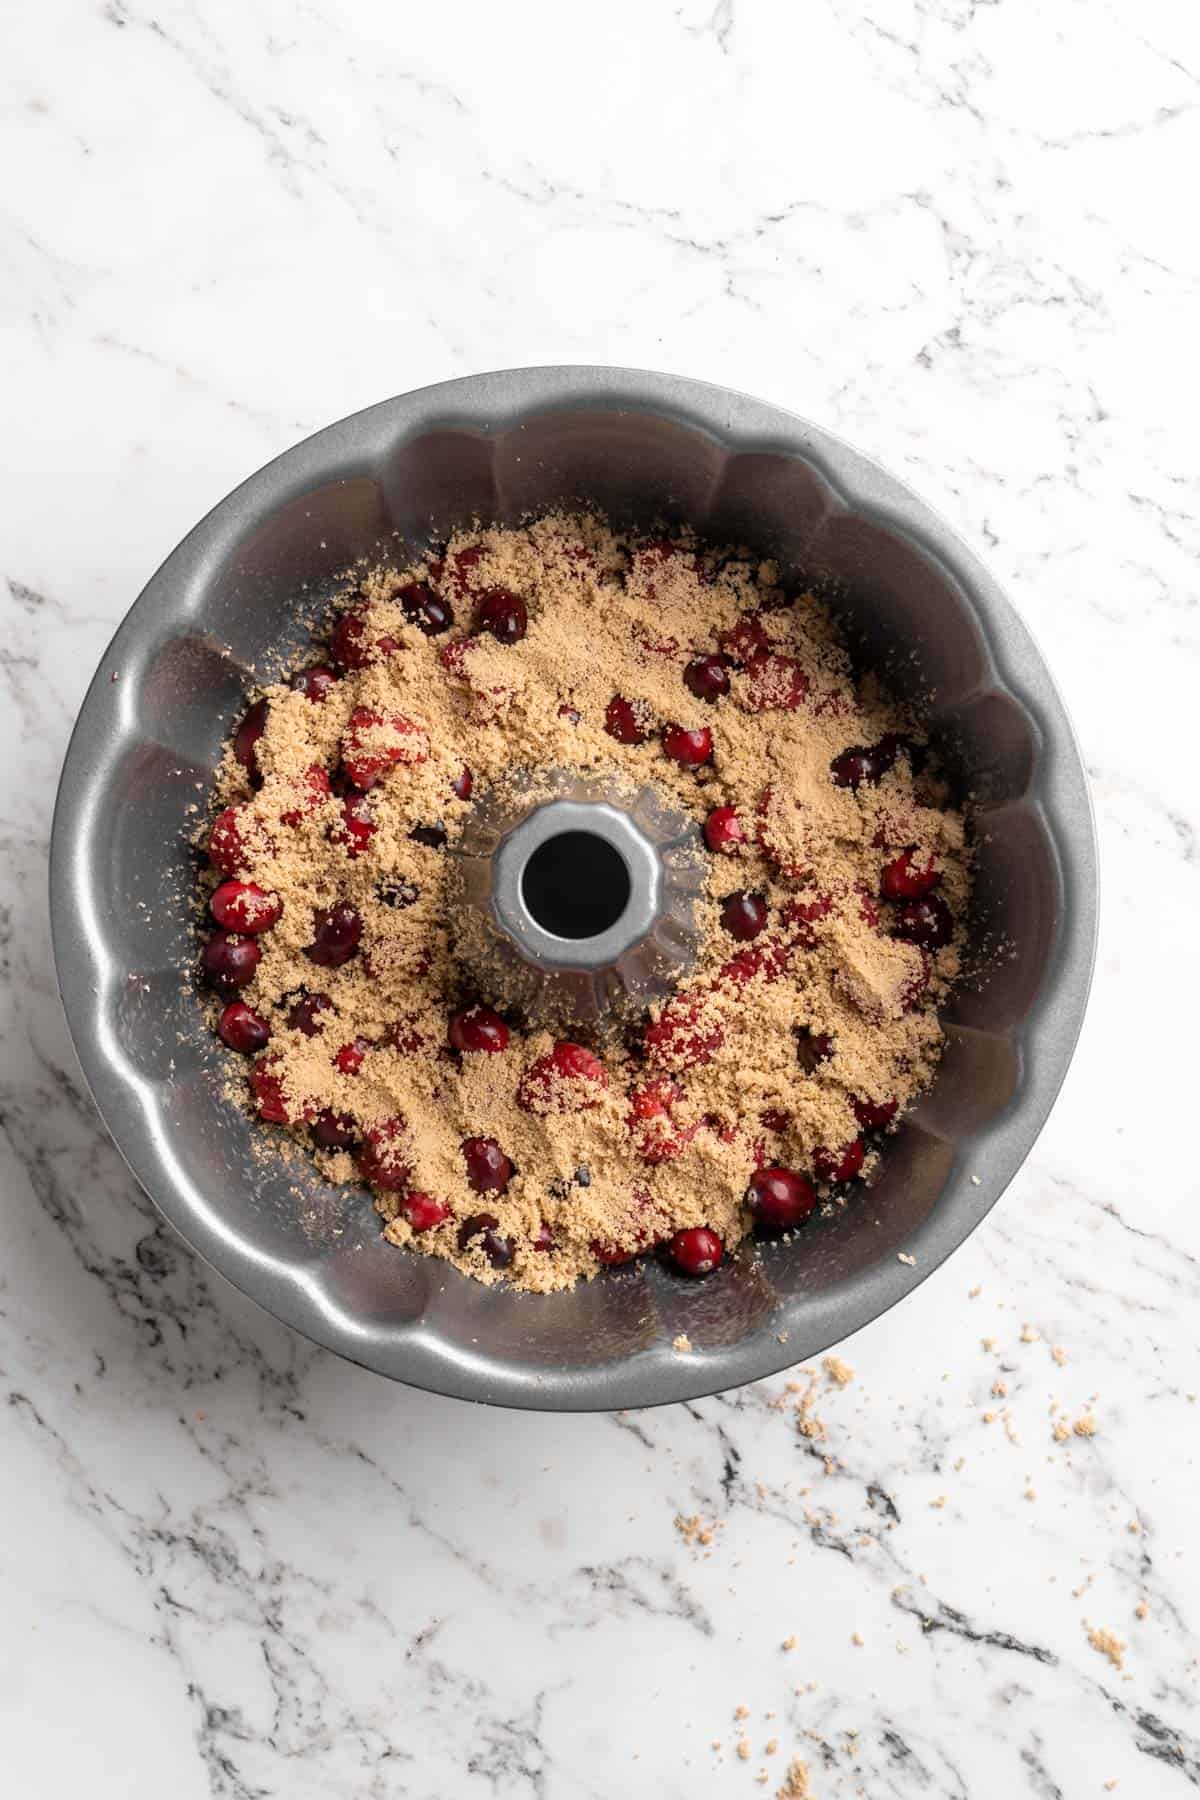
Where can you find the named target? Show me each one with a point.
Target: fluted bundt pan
(235, 603)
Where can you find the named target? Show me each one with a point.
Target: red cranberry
(358, 824)
(229, 962)
(697, 1250)
(569, 713)
(543, 1238)
(690, 749)
(317, 683)
(779, 1198)
(776, 1120)
(903, 880)
(242, 1029)
(307, 1014)
(336, 936)
(747, 639)
(894, 743)
(461, 564)
(928, 923)
(432, 836)
(245, 738)
(334, 1130)
(655, 1099)
(613, 1255)
(484, 1227)
(477, 1028)
(873, 1115)
(625, 721)
(372, 743)
(350, 644)
(488, 1169)
(267, 1089)
(656, 1137)
(383, 1159)
(812, 1049)
(313, 789)
(556, 1082)
(707, 677)
(349, 1059)
(503, 614)
(777, 683)
(245, 907)
(840, 1165)
(422, 1211)
(226, 841)
(682, 1036)
(425, 609)
(744, 916)
(799, 917)
(397, 893)
(462, 784)
(855, 766)
(724, 832)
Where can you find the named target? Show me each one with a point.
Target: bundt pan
(235, 603)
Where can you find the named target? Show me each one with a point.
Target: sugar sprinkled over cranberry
(384, 1158)
(707, 677)
(484, 1229)
(690, 749)
(428, 611)
(243, 1029)
(244, 907)
(812, 1048)
(625, 721)
(903, 879)
(423, 1212)
(349, 1059)
(477, 1028)
(229, 961)
(333, 1130)
(873, 1115)
(245, 738)
(308, 1014)
(227, 842)
(463, 784)
(724, 832)
(927, 923)
(350, 645)
(488, 1169)
(840, 1165)
(317, 683)
(504, 615)
(358, 823)
(336, 936)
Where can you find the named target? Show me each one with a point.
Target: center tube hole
(575, 885)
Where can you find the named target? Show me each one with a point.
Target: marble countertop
(961, 233)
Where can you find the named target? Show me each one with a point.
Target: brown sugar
(773, 1051)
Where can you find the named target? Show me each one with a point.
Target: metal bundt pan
(234, 602)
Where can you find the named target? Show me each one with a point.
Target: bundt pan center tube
(237, 603)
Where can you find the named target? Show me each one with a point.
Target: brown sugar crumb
(741, 1711)
(1060, 1431)
(1059, 1354)
(857, 1639)
(909, 1261)
(694, 1530)
(795, 1783)
(1085, 1425)
(1029, 1335)
(1141, 1610)
(682, 1343)
(744, 1749)
(838, 1371)
(347, 811)
(1107, 1644)
(789, 1643)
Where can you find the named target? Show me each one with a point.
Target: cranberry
(744, 916)
(316, 684)
(903, 880)
(267, 1088)
(655, 1099)
(612, 1255)
(462, 562)
(226, 842)
(432, 836)
(690, 749)
(777, 683)
(245, 738)
(336, 936)
(397, 893)
(724, 832)
(350, 645)
(503, 614)
(245, 907)
(928, 923)
(779, 1198)
(383, 1159)
(656, 1137)
(747, 639)
(462, 784)
(422, 1211)
(229, 962)
(707, 677)
(840, 1165)
(567, 1079)
(914, 993)
(625, 720)
(488, 1169)
(812, 1049)
(306, 1014)
(775, 1119)
(499, 1250)
(242, 1029)
(569, 713)
(334, 1130)
(855, 766)
(543, 1238)
(873, 1115)
(697, 1250)
(373, 743)
(799, 916)
(313, 789)
(894, 743)
(358, 825)
(349, 1059)
(682, 1036)
(425, 609)
(477, 1028)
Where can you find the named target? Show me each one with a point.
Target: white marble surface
(964, 233)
